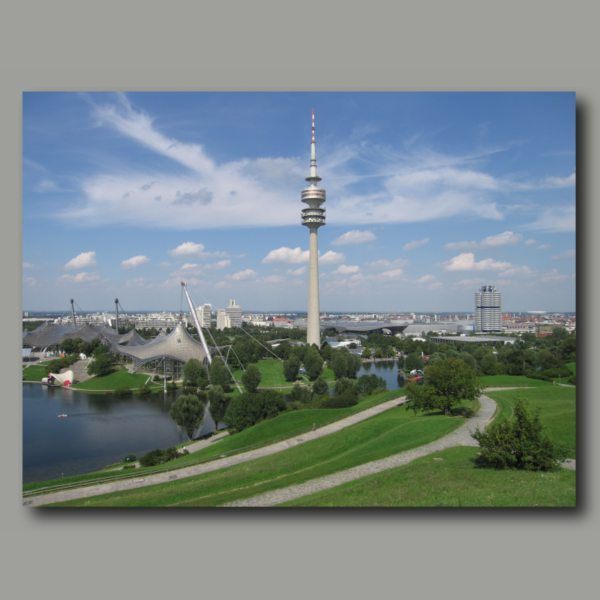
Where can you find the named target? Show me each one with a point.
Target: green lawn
(453, 481)
(272, 375)
(571, 367)
(512, 381)
(388, 433)
(557, 406)
(283, 424)
(117, 378)
(34, 372)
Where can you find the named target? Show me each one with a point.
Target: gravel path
(459, 437)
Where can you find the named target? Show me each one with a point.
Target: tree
(414, 361)
(217, 403)
(345, 386)
(194, 374)
(339, 362)
(301, 393)
(519, 443)
(367, 384)
(366, 353)
(188, 413)
(67, 346)
(353, 365)
(489, 364)
(219, 375)
(291, 367)
(469, 359)
(448, 383)
(320, 386)
(568, 348)
(101, 366)
(251, 378)
(247, 409)
(313, 363)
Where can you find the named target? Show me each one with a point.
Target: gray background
(312, 45)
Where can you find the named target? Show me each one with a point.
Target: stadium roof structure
(52, 335)
(177, 345)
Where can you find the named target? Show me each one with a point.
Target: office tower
(313, 217)
(234, 312)
(488, 309)
(204, 313)
(223, 320)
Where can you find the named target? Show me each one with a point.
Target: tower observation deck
(313, 217)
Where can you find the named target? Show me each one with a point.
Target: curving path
(459, 437)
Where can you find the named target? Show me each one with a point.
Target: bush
(144, 389)
(537, 375)
(248, 409)
(341, 401)
(320, 386)
(295, 406)
(519, 443)
(123, 390)
(556, 372)
(301, 394)
(572, 380)
(129, 458)
(319, 401)
(171, 387)
(156, 378)
(158, 457)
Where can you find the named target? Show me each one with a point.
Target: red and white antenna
(313, 127)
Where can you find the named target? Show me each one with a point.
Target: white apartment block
(234, 312)
(223, 320)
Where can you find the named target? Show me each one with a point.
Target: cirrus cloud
(79, 278)
(413, 245)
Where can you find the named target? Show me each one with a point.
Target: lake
(99, 430)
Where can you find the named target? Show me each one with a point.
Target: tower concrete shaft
(313, 217)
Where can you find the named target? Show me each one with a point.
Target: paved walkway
(459, 437)
(215, 465)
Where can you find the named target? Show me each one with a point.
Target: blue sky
(429, 196)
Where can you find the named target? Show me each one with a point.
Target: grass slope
(283, 424)
(512, 381)
(114, 380)
(558, 411)
(388, 433)
(452, 481)
(34, 372)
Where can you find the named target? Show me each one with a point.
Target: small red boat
(61, 416)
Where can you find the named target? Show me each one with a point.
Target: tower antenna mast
(313, 217)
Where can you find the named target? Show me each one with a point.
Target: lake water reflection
(99, 430)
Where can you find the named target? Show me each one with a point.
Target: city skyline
(430, 196)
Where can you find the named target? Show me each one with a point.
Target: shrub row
(158, 457)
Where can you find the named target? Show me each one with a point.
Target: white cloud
(530, 242)
(273, 279)
(413, 245)
(187, 270)
(565, 254)
(393, 274)
(470, 282)
(81, 261)
(331, 258)
(354, 237)
(523, 271)
(508, 238)
(297, 272)
(132, 263)
(435, 286)
(242, 275)
(346, 270)
(79, 278)
(188, 249)
(222, 285)
(28, 265)
(286, 255)
(388, 264)
(543, 247)
(296, 256)
(466, 262)
(554, 275)
(164, 264)
(425, 279)
(555, 219)
(47, 185)
(560, 181)
(219, 265)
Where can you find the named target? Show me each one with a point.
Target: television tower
(313, 217)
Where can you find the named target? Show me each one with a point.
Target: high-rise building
(223, 320)
(204, 314)
(488, 309)
(313, 217)
(234, 312)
